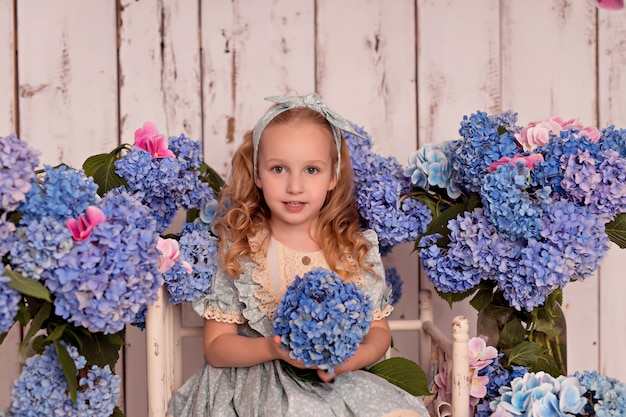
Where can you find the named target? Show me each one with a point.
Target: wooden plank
(251, 50)
(9, 350)
(540, 79)
(68, 78)
(458, 73)
(366, 72)
(8, 112)
(159, 82)
(612, 105)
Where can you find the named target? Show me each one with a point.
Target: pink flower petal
(611, 4)
(95, 216)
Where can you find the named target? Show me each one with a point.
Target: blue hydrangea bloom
(512, 203)
(42, 390)
(394, 281)
(104, 281)
(198, 247)
(481, 144)
(166, 184)
(17, 168)
(9, 300)
(38, 247)
(62, 193)
(614, 139)
(321, 319)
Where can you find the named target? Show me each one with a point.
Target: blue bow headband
(311, 101)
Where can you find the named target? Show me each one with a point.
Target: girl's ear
(333, 183)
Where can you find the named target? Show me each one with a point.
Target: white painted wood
(534, 85)
(251, 50)
(10, 358)
(68, 78)
(612, 105)
(8, 116)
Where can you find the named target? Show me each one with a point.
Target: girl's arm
(374, 346)
(225, 348)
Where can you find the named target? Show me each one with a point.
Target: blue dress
(268, 389)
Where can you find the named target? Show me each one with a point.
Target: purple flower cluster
(499, 376)
(9, 299)
(321, 319)
(379, 187)
(17, 168)
(198, 247)
(166, 184)
(42, 390)
(104, 281)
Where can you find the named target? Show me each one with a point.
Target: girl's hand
(283, 354)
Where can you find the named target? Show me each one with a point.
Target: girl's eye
(312, 170)
(278, 169)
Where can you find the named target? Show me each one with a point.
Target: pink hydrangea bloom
(611, 4)
(538, 133)
(150, 140)
(82, 227)
(529, 161)
(480, 355)
(170, 254)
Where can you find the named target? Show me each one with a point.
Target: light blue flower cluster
(17, 168)
(379, 186)
(607, 396)
(104, 281)
(539, 394)
(198, 247)
(7, 238)
(166, 184)
(321, 319)
(61, 193)
(42, 390)
(394, 281)
(430, 167)
(9, 299)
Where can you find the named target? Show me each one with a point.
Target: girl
(288, 207)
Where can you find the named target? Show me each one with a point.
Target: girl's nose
(294, 185)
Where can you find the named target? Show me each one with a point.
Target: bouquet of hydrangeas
(82, 257)
(321, 319)
(519, 212)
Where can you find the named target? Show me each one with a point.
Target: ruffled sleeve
(374, 283)
(222, 303)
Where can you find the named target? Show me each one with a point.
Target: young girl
(288, 207)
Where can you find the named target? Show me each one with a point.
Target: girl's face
(295, 171)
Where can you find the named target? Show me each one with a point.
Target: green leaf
(482, 298)
(525, 354)
(3, 336)
(56, 333)
(454, 297)
(27, 286)
(102, 349)
(101, 167)
(512, 333)
(616, 230)
(69, 369)
(35, 325)
(403, 373)
(117, 413)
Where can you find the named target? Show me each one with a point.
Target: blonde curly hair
(243, 213)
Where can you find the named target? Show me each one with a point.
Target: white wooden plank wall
(88, 73)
